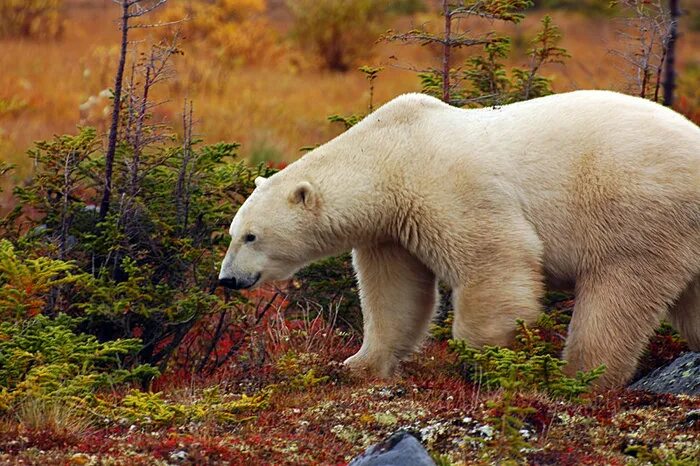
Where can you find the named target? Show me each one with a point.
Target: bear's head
(272, 234)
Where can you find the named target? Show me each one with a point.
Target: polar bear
(590, 189)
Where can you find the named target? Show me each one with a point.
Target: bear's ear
(259, 181)
(304, 194)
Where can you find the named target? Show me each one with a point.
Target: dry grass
(309, 332)
(53, 418)
(272, 109)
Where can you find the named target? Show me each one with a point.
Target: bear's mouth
(251, 284)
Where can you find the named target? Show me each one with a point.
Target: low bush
(50, 360)
(340, 33)
(210, 404)
(31, 18)
(236, 31)
(531, 367)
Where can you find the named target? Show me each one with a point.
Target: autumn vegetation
(117, 346)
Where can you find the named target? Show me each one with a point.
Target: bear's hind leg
(614, 316)
(398, 296)
(685, 314)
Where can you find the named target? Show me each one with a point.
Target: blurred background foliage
(247, 60)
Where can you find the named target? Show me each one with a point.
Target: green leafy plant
(508, 418)
(441, 460)
(348, 121)
(445, 82)
(529, 368)
(26, 283)
(484, 80)
(489, 80)
(50, 359)
(442, 330)
(528, 83)
(149, 268)
(296, 373)
(154, 409)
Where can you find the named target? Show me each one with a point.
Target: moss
(154, 409)
(386, 418)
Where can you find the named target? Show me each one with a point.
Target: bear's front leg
(398, 296)
(507, 286)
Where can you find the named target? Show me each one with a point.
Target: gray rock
(401, 449)
(692, 417)
(682, 376)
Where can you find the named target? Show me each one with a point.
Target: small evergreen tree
(531, 366)
(483, 80)
(445, 81)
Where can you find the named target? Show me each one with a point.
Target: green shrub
(153, 409)
(488, 80)
(49, 359)
(26, 284)
(508, 419)
(530, 368)
(297, 373)
(149, 268)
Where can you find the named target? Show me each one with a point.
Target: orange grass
(274, 108)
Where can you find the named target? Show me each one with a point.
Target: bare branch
(158, 25)
(141, 10)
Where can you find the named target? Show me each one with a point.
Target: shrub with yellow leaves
(31, 18)
(234, 30)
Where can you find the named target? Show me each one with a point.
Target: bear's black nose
(228, 283)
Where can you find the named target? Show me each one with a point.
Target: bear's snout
(240, 283)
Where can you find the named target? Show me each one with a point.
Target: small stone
(485, 431)
(180, 455)
(692, 417)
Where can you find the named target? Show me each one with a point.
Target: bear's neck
(353, 205)
(361, 204)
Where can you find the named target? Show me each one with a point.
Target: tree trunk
(114, 128)
(447, 48)
(670, 70)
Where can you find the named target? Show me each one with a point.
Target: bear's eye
(249, 238)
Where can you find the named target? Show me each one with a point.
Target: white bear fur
(590, 189)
